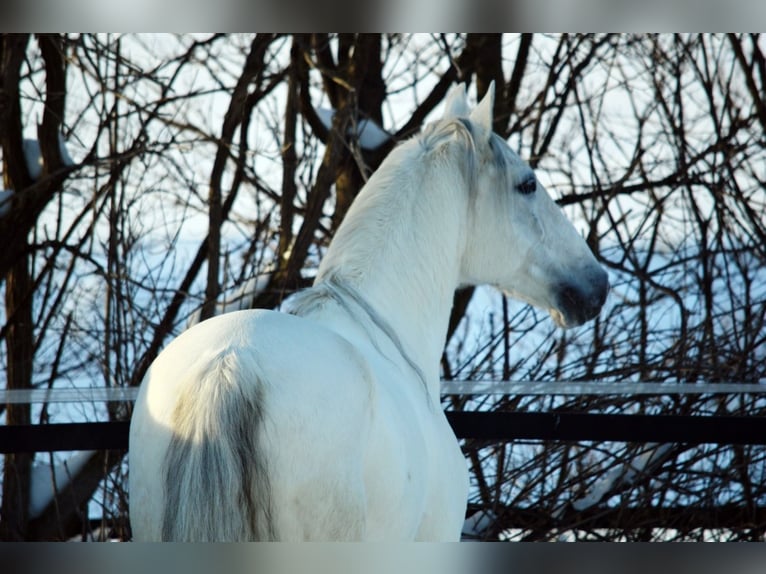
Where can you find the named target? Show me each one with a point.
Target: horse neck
(399, 248)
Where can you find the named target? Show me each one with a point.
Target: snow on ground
(622, 474)
(242, 298)
(45, 480)
(477, 524)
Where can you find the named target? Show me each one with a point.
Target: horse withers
(324, 423)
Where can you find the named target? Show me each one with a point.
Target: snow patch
(34, 158)
(477, 524)
(369, 134)
(45, 480)
(621, 475)
(241, 299)
(5, 201)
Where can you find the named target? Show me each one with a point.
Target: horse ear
(456, 105)
(482, 113)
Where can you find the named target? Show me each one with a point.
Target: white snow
(242, 298)
(5, 201)
(325, 116)
(34, 158)
(476, 524)
(34, 161)
(46, 480)
(370, 135)
(621, 475)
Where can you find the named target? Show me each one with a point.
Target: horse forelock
(439, 133)
(471, 146)
(457, 135)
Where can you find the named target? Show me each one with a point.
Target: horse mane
(453, 144)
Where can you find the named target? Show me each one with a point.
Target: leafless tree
(201, 163)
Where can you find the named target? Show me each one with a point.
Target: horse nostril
(579, 303)
(570, 296)
(572, 303)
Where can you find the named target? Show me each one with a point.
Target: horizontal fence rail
(527, 388)
(489, 426)
(478, 425)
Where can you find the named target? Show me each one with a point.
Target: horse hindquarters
(251, 426)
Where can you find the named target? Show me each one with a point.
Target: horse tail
(215, 476)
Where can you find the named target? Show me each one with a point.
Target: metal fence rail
(489, 426)
(527, 388)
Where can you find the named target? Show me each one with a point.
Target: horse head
(518, 238)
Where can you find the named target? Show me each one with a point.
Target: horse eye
(527, 186)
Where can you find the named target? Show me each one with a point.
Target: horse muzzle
(580, 301)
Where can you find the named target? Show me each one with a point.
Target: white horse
(325, 424)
